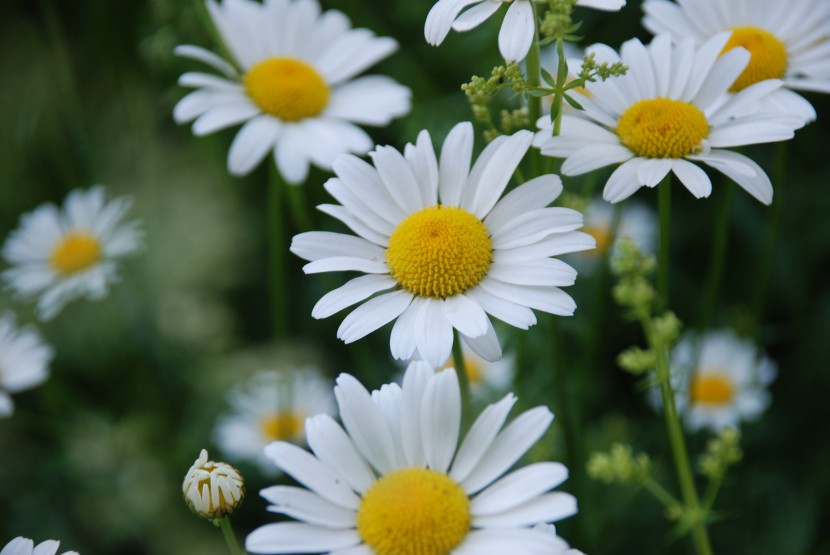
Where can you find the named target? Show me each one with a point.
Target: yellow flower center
(439, 251)
(284, 425)
(473, 369)
(414, 511)
(602, 235)
(75, 252)
(662, 128)
(711, 388)
(769, 56)
(287, 88)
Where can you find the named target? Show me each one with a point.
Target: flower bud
(212, 489)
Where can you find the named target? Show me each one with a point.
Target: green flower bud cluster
(721, 452)
(619, 465)
(557, 22)
(591, 70)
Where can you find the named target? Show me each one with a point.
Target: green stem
(561, 81)
(463, 377)
(660, 493)
(230, 537)
(664, 202)
(277, 260)
(298, 204)
(717, 257)
(534, 74)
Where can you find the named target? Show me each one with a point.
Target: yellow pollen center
(711, 389)
(768, 56)
(287, 88)
(602, 235)
(284, 425)
(439, 251)
(76, 251)
(414, 511)
(662, 128)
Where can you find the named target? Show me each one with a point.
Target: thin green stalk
(463, 377)
(298, 206)
(277, 259)
(664, 208)
(660, 493)
(230, 537)
(561, 81)
(534, 75)
(717, 257)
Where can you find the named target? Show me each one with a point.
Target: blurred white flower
(638, 223)
(69, 252)
(24, 360)
(25, 546)
(212, 489)
(486, 378)
(272, 405)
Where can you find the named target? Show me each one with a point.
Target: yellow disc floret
(711, 389)
(439, 251)
(75, 252)
(769, 56)
(414, 511)
(662, 128)
(284, 425)
(287, 88)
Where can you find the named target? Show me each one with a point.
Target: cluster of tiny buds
(212, 489)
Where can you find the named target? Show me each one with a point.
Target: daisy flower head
(668, 111)
(64, 253)
(212, 489)
(636, 222)
(787, 40)
(441, 247)
(395, 481)
(720, 380)
(25, 546)
(517, 30)
(24, 360)
(292, 85)
(272, 405)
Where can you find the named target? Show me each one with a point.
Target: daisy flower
(24, 360)
(788, 41)
(721, 380)
(272, 405)
(65, 253)
(292, 84)
(517, 29)
(441, 247)
(396, 482)
(637, 223)
(212, 489)
(668, 111)
(25, 546)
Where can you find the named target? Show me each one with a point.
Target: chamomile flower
(668, 111)
(440, 246)
(25, 546)
(292, 85)
(486, 377)
(788, 41)
(64, 253)
(517, 29)
(636, 223)
(396, 481)
(24, 360)
(721, 380)
(272, 405)
(212, 489)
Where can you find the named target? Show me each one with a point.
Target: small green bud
(666, 328)
(636, 360)
(619, 465)
(722, 451)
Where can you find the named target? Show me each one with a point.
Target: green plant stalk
(660, 493)
(534, 75)
(559, 95)
(463, 377)
(664, 209)
(277, 259)
(298, 206)
(230, 537)
(717, 257)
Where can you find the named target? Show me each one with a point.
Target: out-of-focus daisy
(720, 380)
(486, 377)
(439, 236)
(212, 489)
(517, 29)
(396, 482)
(668, 111)
(293, 85)
(788, 41)
(69, 252)
(637, 223)
(24, 360)
(272, 405)
(25, 546)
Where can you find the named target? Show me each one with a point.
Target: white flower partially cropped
(788, 41)
(24, 360)
(517, 29)
(212, 489)
(721, 380)
(397, 482)
(669, 110)
(441, 247)
(637, 223)
(271, 405)
(293, 85)
(25, 546)
(64, 253)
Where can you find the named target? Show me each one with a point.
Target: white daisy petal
(454, 166)
(536, 193)
(517, 31)
(486, 346)
(373, 314)
(441, 419)
(544, 508)
(335, 449)
(292, 537)
(251, 144)
(476, 15)
(518, 487)
(480, 437)
(693, 178)
(433, 332)
(508, 312)
(516, 540)
(303, 505)
(207, 57)
(465, 315)
(352, 292)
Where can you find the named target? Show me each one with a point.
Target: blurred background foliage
(95, 456)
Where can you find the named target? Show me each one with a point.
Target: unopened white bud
(212, 489)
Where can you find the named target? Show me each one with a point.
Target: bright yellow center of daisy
(769, 56)
(414, 511)
(662, 128)
(75, 252)
(711, 389)
(439, 252)
(281, 425)
(287, 88)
